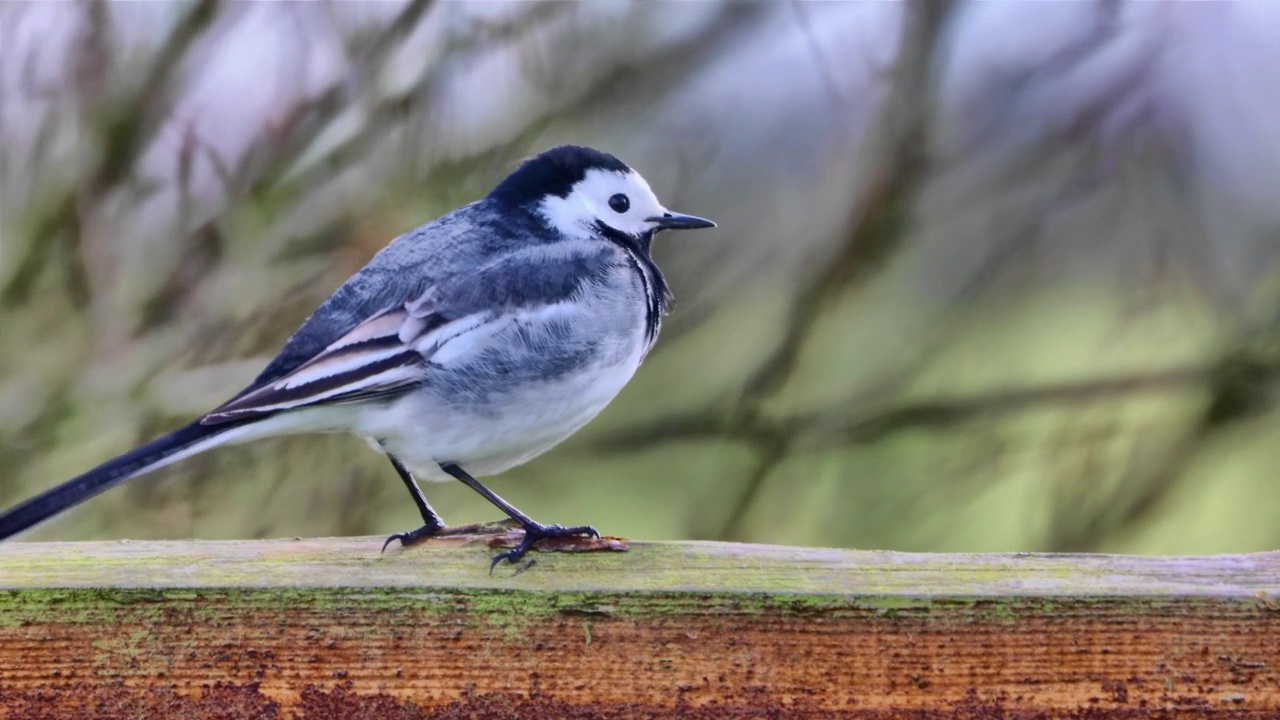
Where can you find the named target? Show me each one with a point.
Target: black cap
(553, 172)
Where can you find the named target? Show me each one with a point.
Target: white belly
(506, 431)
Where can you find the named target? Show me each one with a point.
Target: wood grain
(330, 628)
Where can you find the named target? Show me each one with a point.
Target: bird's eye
(620, 203)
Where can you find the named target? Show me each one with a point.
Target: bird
(465, 347)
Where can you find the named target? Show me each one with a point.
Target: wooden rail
(330, 628)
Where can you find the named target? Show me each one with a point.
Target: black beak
(676, 221)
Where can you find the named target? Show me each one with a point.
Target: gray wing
(394, 349)
(402, 270)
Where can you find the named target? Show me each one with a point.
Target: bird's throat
(657, 295)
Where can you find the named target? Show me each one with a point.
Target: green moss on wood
(88, 580)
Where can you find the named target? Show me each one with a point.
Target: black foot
(409, 538)
(429, 531)
(535, 532)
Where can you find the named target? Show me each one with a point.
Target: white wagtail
(465, 347)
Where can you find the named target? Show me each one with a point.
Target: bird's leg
(432, 523)
(533, 530)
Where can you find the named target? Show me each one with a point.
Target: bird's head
(581, 192)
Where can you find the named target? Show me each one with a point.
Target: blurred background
(987, 276)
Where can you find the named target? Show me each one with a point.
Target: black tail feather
(104, 477)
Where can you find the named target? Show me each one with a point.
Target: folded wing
(381, 356)
(396, 348)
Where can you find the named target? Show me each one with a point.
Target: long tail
(181, 443)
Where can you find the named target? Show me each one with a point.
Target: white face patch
(596, 199)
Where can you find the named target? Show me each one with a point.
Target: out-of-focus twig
(897, 155)
(129, 123)
(896, 152)
(833, 428)
(125, 124)
(277, 153)
(1243, 383)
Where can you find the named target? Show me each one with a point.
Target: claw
(508, 555)
(534, 533)
(402, 537)
(426, 531)
(409, 538)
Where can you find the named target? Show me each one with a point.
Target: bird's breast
(487, 428)
(532, 385)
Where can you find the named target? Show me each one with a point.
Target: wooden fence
(330, 628)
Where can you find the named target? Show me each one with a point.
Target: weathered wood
(331, 628)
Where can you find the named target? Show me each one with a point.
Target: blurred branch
(945, 412)
(1243, 385)
(831, 428)
(898, 146)
(897, 153)
(259, 167)
(129, 123)
(815, 48)
(277, 154)
(1240, 385)
(124, 125)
